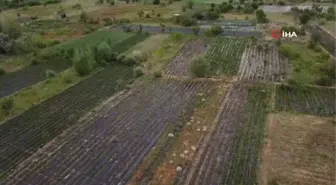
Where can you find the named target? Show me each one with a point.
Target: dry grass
(238, 16)
(281, 18)
(300, 150)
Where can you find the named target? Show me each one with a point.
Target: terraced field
(24, 134)
(108, 148)
(180, 66)
(308, 100)
(230, 155)
(263, 64)
(224, 55)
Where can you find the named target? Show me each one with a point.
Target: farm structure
(264, 64)
(224, 55)
(181, 64)
(21, 136)
(107, 148)
(230, 155)
(306, 100)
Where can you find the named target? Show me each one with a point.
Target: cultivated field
(180, 66)
(231, 154)
(307, 100)
(300, 150)
(108, 148)
(58, 59)
(224, 55)
(264, 64)
(24, 134)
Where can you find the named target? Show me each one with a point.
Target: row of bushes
(16, 4)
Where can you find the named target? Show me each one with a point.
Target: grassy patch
(282, 18)
(164, 51)
(37, 93)
(307, 65)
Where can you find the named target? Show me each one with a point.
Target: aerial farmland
(167, 92)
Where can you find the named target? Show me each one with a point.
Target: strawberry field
(181, 64)
(263, 63)
(23, 135)
(107, 148)
(307, 100)
(224, 55)
(231, 155)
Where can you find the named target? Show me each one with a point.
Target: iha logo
(277, 34)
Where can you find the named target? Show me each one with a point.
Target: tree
(83, 17)
(190, 4)
(127, 1)
(156, 2)
(261, 16)
(304, 18)
(212, 6)
(199, 67)
(241, 1)
(196, 30)
(7, 105)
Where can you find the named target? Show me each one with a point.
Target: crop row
(231, 155)
(181, 64)
(24, 134)
(30, 75)
(307, 100)
(264, 63)
(108, 149)
(224, 55)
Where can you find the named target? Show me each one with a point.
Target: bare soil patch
(300, 150)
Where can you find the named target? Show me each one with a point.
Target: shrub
(261, 16)
(2, 71)
(7, 105)
(50, 73)
(121, 58)
(324, 81)
(190, 4)
(130, 61)
(138, 71)
(83, 17)
(212, 15)
(77, 6)
(157, 74)
(156, 2)
(281, 3)
(34, 62)
(216, 30)
(199, 67)
(103, 52)
(84, 62)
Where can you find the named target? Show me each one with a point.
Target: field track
(108, 149)
(181, 64)
(263, 65)
(231, 155)
(23, 135)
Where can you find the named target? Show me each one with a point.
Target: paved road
(278, 8)
(187, 30)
